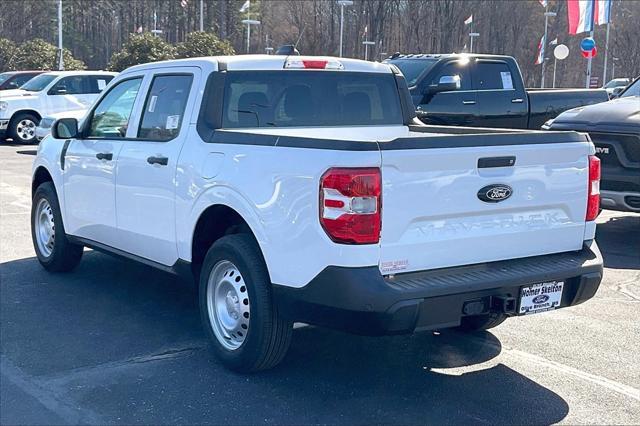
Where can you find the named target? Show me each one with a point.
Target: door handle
(163, 161)
(469, 102)
(104, 156)
(517, 101)
(489, 162)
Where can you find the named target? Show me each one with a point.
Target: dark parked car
(15, 79)
(483, 91)
(614, 128)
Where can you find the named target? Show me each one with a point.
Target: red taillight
(350, 204)
(593, 193)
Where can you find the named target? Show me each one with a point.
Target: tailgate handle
(489, 162)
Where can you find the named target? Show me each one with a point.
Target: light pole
(155, 31)
(201, 15)
(366, 48)
(61, 58)
(342, 4)
(472, 35)
(613, 67)
(547, 14)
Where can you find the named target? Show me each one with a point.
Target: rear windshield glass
(38, 83)
(412, 69)
(309, 98)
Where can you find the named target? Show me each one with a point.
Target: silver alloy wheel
(228, 305)
(26, 129)
(45, 228)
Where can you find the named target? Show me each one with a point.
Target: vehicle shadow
(619, 241)
(108, 311)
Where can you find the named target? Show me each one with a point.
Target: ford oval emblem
(495, 193)
(540, 299)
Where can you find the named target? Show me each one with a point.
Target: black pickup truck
(483, 91)
(614, 128)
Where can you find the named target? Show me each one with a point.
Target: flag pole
(544, 47)
(606, 48)
(61, 58)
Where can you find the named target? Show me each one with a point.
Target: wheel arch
(214, 222)
(40, 176)
(25, 111)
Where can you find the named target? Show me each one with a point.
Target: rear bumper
(621, 201)
(362, 301)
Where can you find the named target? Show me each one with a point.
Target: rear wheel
(237, 309)
(54, 250)
(22, 128)
(482, 322)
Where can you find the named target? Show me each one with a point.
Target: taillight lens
(350, 204)
(593, 197)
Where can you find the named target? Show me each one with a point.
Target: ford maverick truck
(301, 189)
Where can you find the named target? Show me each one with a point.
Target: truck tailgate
(433, 215)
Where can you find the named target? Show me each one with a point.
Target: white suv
(49, 93)
(300, 189)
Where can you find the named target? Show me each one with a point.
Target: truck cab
(481, 90)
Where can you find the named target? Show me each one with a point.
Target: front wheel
(22, 128)
(237, 309)
(54, 250)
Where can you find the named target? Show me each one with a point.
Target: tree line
(97, 32)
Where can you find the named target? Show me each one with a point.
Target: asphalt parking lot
(117, 342)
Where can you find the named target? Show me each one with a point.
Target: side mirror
(616, 92)
(60, 91)
(65, 128)
(447, 83)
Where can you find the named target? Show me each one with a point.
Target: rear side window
(492, 76)
(309, 98)
(456, 68)
(164, 108)
(97, 83)
(21, 79)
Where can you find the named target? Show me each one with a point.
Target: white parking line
(613, 385)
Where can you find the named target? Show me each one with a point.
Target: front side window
(310, 99)
(164, 108)
(458, 69)
(492, 76)
(39, 83)
(111, 116)
(73, 85)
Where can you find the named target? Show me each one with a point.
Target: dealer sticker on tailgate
(540, 297)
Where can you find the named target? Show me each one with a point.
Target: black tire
(481, 322)
(268, 336)
(15, 132)
(64, 255)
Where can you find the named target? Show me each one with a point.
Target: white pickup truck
(60, 91)
(300, 189)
